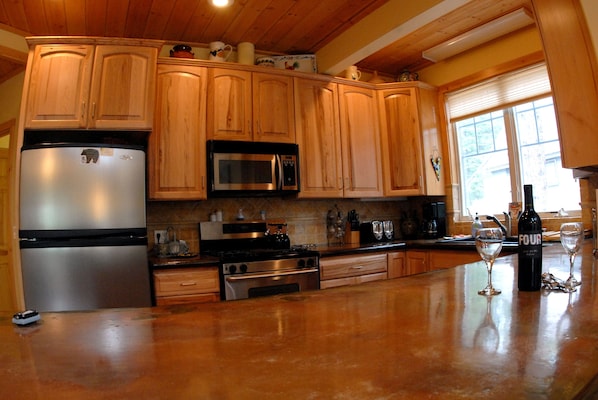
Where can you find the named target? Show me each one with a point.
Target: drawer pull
(356, 267)
(188, 283)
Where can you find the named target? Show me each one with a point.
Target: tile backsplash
(306, 219)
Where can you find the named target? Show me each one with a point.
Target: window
(505, 146)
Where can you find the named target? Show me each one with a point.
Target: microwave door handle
(280, 174)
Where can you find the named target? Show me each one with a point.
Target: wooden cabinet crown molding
(112, 41)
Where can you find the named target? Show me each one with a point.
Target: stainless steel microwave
(238, 168)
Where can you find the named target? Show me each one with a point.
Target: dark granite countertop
(198, 260)
(336, 250)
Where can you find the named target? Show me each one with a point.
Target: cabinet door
(177, 153)
(123, 87)
(410, 139)
(417, 261)
(59, 86)
(573, 71)
(397, 265)
(318, 137)
(402, 150)
(273, 113)
(360, 137)
(229, 105)
(440, 259)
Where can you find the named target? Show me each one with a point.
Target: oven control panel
(269, 266)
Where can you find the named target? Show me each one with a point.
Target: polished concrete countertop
(423, 336)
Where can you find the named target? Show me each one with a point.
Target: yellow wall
(11, 90)
(590, 9)
(10, 102)
(509, 48)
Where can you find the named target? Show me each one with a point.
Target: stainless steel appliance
(252, 264)
(252, 168)
(82, 222)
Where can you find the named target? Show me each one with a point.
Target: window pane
(485, 172)
(540, 156)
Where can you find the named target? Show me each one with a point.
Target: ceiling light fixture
(482, 34)
(222, 3)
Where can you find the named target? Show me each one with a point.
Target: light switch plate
(162, 234)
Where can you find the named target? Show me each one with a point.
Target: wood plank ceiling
(277, 26)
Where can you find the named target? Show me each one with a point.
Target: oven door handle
(270, 275)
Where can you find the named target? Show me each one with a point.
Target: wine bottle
(529, 274)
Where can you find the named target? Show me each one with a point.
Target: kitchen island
(423, 336)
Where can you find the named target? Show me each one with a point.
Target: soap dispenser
(477, 224)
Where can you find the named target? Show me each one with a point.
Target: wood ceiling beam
(392, 21)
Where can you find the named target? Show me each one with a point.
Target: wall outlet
(163, 236)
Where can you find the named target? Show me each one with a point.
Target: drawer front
(353, 280)
(188, 299)
(186, 281)
(347, 266)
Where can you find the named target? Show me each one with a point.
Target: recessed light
(222, 3)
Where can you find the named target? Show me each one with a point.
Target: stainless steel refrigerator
(82, 226)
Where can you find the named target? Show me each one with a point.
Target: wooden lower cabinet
(397, 264)
(352, 269)
(186, 285)
(440, 259)
(417, 261)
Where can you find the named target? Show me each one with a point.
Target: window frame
(513, 152)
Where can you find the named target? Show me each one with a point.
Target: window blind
(499, 92)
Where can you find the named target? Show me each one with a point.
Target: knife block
(351, 236)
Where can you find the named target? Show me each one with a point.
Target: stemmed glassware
(488, 243)
(388, 229)
(571, 238)
(378, 229)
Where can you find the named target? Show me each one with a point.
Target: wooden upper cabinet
(410, 140)
(88, 86)
(250, 106)
(229, 105)
(318, 137)
(573, 70)
(360, 138)
(273, 111)
(59, 86)
(177, 152)
(123, 87)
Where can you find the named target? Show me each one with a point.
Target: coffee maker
(434, 225)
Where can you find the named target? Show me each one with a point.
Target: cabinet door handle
(188, 283)
(83, 109)
(93, 110)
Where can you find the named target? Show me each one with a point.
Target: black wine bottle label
(529, 274)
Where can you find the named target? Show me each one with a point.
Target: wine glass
(388, 229)
(571, 238)
(488, 242)
(378, 229)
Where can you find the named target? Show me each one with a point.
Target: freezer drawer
(85, 278)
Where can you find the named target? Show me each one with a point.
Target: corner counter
(423, 336)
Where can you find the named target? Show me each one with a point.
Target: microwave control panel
(289, 171)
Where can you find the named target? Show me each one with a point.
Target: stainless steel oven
(250, 266)
(245, 279)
